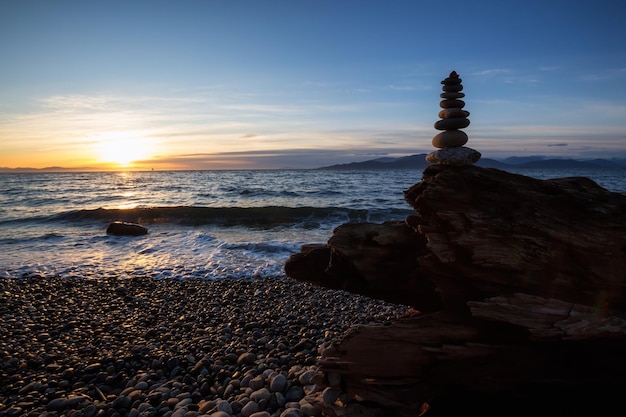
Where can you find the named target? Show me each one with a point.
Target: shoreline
(157, 347)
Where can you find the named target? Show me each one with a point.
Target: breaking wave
(268, 216)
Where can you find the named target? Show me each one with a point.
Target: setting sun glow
(131, 86)
(121, 148)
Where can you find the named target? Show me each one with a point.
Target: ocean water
(202, 224)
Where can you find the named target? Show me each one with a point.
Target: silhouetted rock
(519, 281)
(481, 232)
(450, 142)
(377, 260)
(497, 232)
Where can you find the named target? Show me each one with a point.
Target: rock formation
(518, 285)
(519, 290)
(479, 233)
(453, 118)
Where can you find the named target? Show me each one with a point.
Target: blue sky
(272, 84)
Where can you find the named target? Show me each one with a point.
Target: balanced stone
(454, 156)
(452, 103)
(452, 123)
(452, 118)
(452, 88)
(450, 139)
(453, 78)
(453, 112)
(452, 95)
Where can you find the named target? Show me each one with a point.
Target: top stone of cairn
(452, 118)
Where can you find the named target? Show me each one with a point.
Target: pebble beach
(155, 347)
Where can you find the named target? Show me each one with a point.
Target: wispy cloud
(285, 158)
(491, 72)
(216, 120)
(507, 76)
(521, 80)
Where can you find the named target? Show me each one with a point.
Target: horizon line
(143, 169)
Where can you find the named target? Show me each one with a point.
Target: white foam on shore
(165, 252)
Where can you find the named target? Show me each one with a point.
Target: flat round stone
(453, 156)
(452, 88)
(451, 81)
(452, 95)
(453, 112)
(451, 104)
(452, 123)
(450, 139)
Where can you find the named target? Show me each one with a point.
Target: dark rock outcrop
(521, 290)
(479, 233)
(377, 260)
(126, 229)
(498, 233)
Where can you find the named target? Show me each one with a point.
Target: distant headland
(517, 162)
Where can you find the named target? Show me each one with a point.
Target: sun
(122, 148)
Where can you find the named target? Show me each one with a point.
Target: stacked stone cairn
(453, 118)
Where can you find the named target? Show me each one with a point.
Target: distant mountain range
(527, 162)
(419, 162)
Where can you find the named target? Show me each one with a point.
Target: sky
(257, 84)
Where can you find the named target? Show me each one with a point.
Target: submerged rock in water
(126, 229)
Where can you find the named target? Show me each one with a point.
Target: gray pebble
(280, 399)
(295, 393)
(229, 390)
(245, 381)
(330, 395)
(278, 383)
(223, 405)
(247, 358)
(261, 394)
(142, 386)
(249, 409)
(257, 383)
(236, 406)
(183, 403)
(305, 377)
(122, 402)
(208, 349)
(206, 406)
(179, 412)
(58, 404)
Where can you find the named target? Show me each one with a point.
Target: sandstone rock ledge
(519, 287)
